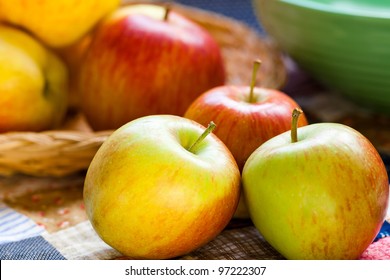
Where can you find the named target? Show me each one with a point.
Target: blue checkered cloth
(20, 238)
(81, 242)
(384, 232)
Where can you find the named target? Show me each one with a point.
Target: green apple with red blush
(247, 116)
(161, 186)
(317, 192)
(146, 59)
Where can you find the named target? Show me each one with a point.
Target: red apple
(246, 117)
(72, 56)
(144, 60)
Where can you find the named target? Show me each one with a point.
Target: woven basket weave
(66, 151)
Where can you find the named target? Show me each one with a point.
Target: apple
(247, 116)
(159, 188)
(317, 192)
(57, 23)
(33, 83)
(72, 55)
(146, 59)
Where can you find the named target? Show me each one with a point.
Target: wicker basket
(71, 149)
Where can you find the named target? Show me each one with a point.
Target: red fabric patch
(379, 250)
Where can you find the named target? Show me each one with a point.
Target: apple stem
(256, 66)
(167, 10)
(294, 124)
(208, 130)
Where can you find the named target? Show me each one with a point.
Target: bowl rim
(323, 7)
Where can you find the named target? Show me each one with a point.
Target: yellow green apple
(317, 192)
(160, 187)
(57, 23)
(33, 83)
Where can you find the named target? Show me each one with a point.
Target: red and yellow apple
(247, 116)
(145, 59)
(72, 55)
(57, 23)
(317, 192)
(33, 83)
(160, 187)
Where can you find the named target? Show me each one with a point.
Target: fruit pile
(34, 78)
(163, 184)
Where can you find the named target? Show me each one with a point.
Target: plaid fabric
(385, 231)
(81, 242)
(15, 227)
(33, 248)
(236, 244)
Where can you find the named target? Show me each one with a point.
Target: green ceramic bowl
(345, 44)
